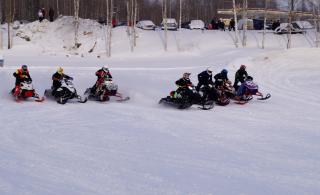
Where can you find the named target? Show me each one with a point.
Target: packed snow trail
(140, 147)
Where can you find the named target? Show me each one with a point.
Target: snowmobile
(188, 97)
(65, 92)
(27, 91)
(250, 89)
(104, 91)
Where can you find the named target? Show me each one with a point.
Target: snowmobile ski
(266, 97)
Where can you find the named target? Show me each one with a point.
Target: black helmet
(249, 78)
(24, 67)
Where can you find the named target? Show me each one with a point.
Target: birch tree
(264, 23)
(1, 25)
(245, 23)
(76, 17)
(10, 9)
(165, 24)
(236, 40)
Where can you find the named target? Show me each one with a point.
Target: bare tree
(236, 40)
(165, 24)
(76, 17)
(265, 23)
(245, 22)
(109, 28)
(10, 8)
(1, 26)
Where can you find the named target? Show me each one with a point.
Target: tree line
(95, 9)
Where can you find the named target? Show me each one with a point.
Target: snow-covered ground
(140, 147)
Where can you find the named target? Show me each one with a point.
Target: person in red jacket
(102, 74)
(21, 75)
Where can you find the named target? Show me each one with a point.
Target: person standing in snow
(102, 74)
(240, 76)
(21, 75)
(51, 14)
(40, 15)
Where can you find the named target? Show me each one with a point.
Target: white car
(171, 24)
(284, 29)
(196, 24)
(146, 25)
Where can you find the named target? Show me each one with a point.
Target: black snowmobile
(188, 97)
(65, 92)
(104, 91)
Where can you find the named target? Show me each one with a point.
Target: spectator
(51, 14)
(40, 15)
(232, 25)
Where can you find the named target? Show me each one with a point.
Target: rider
(248, 88)
(204, 78)
(240, 76)
(102, 74)
(221, 79)
(21, 75)
(57, 78)
(183, 84)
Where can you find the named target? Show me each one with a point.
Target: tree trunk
(236, 40)
(76, 17)
(291, 5)
(165, 25)
(245, 25)
(1, 26)
(264, 23)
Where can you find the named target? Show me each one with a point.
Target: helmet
(24, 67)
(105, 69)
(224, 71)
(186, 75)
(209, 71)
(60, 70)
(249, 78)
(243, 67)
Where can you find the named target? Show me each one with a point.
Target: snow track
(140, 147)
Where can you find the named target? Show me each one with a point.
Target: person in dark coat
(51, 14)
(240, 76)
(21, 75)
(183, 84)
(57, 78)
(221, 79)
(40, 15)
(204, 78)
(102, 74)
(232, 25)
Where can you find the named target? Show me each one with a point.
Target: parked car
(171, 24)
(146, 25)
(284, 29)
(302, 25)
(196, 24)
(185, 24)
